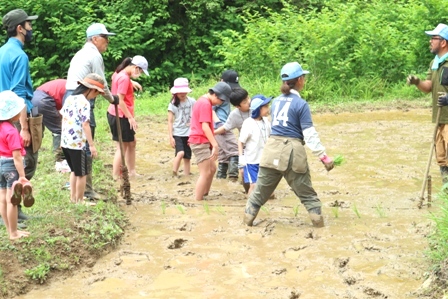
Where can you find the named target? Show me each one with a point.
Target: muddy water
(179, 248)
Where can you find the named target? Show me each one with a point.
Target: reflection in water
(372, 245)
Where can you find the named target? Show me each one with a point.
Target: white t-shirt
(254, 134)
(182, 117)
(75, 112)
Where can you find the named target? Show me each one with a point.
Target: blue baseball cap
(292, 70)
(441, 30)
(256, 102)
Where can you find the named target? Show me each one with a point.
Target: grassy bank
(65, 237)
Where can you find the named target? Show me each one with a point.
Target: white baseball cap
(141, 62)
(97, 29)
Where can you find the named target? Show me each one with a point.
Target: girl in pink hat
(122, 87)
(179, 115)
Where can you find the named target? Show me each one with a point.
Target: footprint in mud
(375, 293)
(178, 243)
(279, 271)
(341, 262)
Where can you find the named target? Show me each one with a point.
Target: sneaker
(17, 190)
(28, 198)
(62, 166)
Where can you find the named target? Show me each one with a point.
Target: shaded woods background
(341, 42)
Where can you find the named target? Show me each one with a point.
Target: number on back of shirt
(281, 115)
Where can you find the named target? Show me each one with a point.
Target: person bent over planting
(202, 141)
(12, 171)
(76, 132)
(284, 154)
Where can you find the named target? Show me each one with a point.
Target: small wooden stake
(429, 191)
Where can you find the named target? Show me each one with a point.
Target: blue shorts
(251, 173)
(8, 173)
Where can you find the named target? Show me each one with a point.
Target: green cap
(16, 17)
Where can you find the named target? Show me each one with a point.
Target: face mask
(28, 35)
(135, 74)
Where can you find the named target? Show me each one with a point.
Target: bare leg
(130, 156)
(207, 169)
(73, 187)
(116, 165)
(80, 188)
(11, 218)
(176, 162)
(251, 188)
(186, 166)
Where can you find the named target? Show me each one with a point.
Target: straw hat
(93, 81)
(10, 104)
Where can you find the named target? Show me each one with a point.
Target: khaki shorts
(201, 151)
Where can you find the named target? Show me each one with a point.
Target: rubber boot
(444, 173)
(89, 192)
(57, 150)
(250, 213)
(222, 171)
(316, 217)
(233, 168)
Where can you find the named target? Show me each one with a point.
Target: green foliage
(38, 273)
(103, 227)
(438, 248)
(355, 49)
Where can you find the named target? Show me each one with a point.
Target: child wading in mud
(241, 100)
(179, 117)
(13, 184)
(253, 136)
(202, 141)
(76, 132)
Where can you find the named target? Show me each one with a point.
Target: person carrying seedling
(284, 154)
(436, 82)
(13, 183)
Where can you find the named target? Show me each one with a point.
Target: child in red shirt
(13, 183)
(202, 141)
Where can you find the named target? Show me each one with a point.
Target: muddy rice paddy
(372, 246)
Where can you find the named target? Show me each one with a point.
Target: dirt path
(179, 248)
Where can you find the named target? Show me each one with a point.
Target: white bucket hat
(10, 104)
(181, 85)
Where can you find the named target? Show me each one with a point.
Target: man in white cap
(436, 82)
(90, 60)
(15, 76)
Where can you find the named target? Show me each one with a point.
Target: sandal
(28, 198)
(16, 196)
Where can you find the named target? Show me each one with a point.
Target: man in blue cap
(15, 76)
(436, 82)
